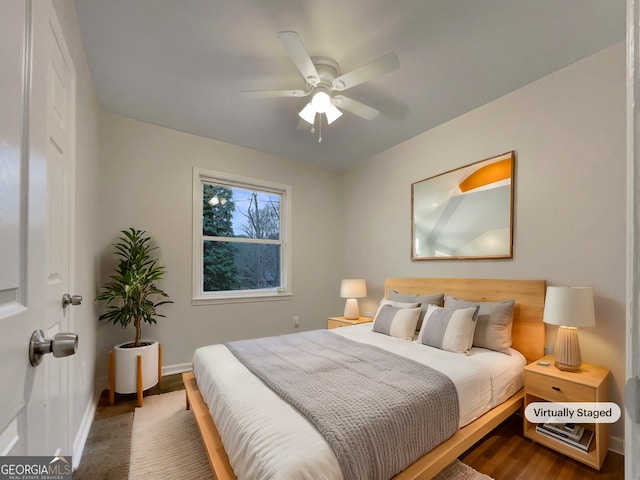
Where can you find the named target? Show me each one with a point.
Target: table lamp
(569, 308)
(352, 289)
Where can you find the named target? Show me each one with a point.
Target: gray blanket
(378, 411)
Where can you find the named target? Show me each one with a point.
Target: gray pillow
(423, 300)
(448, 328)
(495, 319)
(396, 321)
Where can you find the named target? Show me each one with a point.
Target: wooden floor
(504, 454)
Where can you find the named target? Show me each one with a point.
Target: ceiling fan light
(321, 101)
(332, 114)
(308, 113)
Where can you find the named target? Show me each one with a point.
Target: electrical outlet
(548, 349)
(296, 321)
(368, 314)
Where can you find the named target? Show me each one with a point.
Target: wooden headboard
(528, 329)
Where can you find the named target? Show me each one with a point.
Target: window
(241, 228)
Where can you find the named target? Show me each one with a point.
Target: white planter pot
(126, 366)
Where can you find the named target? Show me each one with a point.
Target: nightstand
(335, 322)
(590, 384)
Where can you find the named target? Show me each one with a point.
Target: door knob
(71, 300)
(62, 345)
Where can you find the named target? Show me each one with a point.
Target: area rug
(165, 441)
(166, 444)
(460, 471)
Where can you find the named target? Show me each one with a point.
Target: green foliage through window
(241, 239)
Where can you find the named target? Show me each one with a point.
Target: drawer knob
(557, 389)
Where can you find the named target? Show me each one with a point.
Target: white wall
(146, 182)
(85, 229)
(568, 131)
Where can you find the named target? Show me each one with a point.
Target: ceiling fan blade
(355, 107)
(274, 93)
(384, 64)
(299, 55)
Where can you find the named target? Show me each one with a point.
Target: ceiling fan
(323, 79)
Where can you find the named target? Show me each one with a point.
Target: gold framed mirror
(466, 213)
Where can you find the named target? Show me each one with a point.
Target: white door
(20, 274)
(37, 84)
(56, 81)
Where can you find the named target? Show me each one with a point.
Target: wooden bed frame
(527, 337)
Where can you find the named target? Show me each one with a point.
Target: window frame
(199, 296)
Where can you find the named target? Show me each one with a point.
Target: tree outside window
(241, 231)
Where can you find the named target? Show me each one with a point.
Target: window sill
(241, 299)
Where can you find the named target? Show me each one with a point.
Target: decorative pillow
(396, 321)
(495, 319)
(449, 328)
(398, 304)
(424, 300)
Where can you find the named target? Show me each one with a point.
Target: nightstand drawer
(557, 389)
(335, 324)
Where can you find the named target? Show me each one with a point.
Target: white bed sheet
(266, 438)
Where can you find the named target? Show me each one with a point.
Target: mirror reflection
(465, 213)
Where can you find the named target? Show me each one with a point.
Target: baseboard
(177, 368)
(85, 426)
(616, 444)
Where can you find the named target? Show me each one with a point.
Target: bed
(479, 414)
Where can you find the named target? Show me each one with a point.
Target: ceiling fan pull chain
(320, 128)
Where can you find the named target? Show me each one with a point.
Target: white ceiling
(182, 64)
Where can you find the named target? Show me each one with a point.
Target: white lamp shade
(332, 114)
(569, 307)
(353, 288)
(321, 101)
(308, 113)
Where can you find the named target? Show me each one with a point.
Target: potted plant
(131, 296)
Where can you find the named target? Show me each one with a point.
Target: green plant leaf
(129, 292)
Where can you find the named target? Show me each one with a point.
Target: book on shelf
(567, 430)
(582, 443)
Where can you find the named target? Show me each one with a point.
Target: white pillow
(449, 329)
(423, 300)
(397, 319)
(494, 322)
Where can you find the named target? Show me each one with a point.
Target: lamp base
(567, 350)
(351, 310)
(567, 368)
